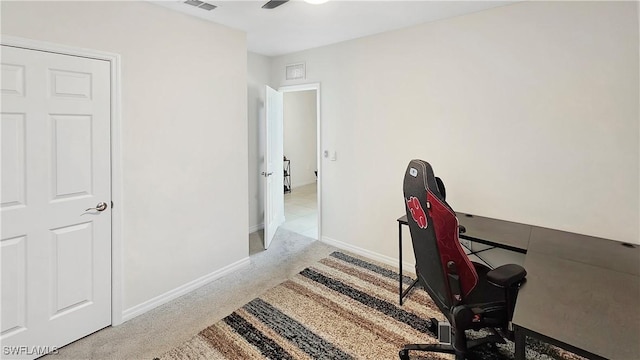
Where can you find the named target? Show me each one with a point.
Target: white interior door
(273, 170)
(56, 251)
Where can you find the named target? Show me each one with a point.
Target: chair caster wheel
(404, 354)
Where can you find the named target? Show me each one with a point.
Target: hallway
(301, 211)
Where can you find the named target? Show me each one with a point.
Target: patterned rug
(343, 307)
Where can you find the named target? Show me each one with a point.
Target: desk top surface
(500, 231)
(607, 254)
(508, 233)
(593, 308)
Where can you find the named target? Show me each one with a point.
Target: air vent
(207, 6)
(295, 71)
(201, 4)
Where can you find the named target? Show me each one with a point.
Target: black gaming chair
(470, 295)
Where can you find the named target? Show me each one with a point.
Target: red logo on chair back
(417, 213)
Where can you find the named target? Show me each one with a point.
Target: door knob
(100, 207)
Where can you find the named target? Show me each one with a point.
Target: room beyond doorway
(301, 211)
(303, 173)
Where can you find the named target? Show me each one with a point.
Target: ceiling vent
(201, 4)
(296, 71)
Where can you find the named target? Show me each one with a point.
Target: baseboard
(182, 290)
(281, 220)
(255, 228)
(407, 267)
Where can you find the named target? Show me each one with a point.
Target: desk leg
(520, 343)
(400, 257)
(401, 293)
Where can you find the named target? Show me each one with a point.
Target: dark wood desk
(495, 233)
(599, 252)
(581, 294)
(499, 233)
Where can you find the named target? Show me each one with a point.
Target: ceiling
(297, 25)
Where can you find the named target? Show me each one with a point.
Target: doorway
(301, 166)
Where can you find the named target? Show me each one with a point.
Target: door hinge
(112, 204)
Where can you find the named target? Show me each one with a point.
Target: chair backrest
(434, 233)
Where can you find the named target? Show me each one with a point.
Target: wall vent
(296, 71)
(201, 4)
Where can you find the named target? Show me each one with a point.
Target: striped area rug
(343, 307)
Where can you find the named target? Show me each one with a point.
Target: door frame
(316, 87)
(116, 153)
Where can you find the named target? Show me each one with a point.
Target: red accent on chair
(417, 212)
(445, 224)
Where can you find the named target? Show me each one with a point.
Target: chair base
(449, 349)
(404, 353)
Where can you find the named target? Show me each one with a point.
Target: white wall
(258, 73)
(184, 133)
(529, 113)
(300, 136)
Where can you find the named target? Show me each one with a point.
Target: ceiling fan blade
(272, 4)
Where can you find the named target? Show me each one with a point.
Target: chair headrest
(420, 168)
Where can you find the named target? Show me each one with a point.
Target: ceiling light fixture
(316, 2)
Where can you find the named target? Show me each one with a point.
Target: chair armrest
(506, 275)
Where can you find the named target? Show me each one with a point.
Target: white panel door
(274, 172)
(55, 250)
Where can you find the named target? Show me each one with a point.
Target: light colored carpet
(343, 307)
(163, 328)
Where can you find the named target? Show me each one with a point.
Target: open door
(273, 170)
